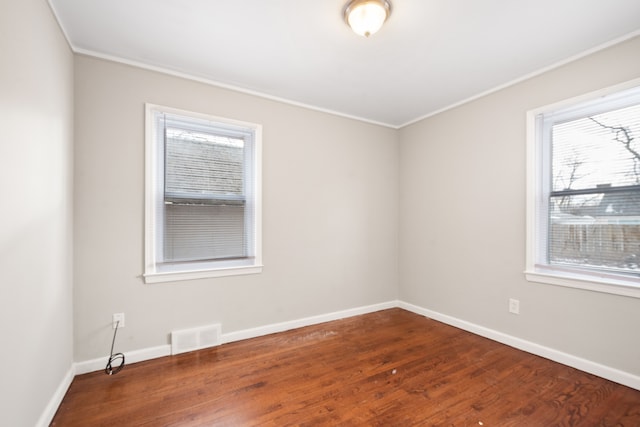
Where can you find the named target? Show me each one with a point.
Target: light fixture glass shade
(365, 17)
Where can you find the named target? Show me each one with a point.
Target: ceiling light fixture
(365, 17)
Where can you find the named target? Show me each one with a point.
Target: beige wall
(329, 213)
(462, 224)
(36, 164)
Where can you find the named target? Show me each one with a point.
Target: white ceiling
(430, 55)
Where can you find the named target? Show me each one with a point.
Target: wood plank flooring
(390, 368)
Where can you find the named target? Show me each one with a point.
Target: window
(583, 223)
(202, 196)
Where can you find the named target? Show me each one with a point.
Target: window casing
(203, 203)
(583, 192)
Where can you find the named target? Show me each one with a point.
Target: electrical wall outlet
(514, 306)
(118, 317)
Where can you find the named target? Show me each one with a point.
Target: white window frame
(537, 270)
(155, 272)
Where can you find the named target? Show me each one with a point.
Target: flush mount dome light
(365, 17)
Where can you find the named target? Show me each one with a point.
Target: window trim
(195, 270)
(597, 281)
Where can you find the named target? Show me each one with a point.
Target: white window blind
(587, 201)
(203, 194)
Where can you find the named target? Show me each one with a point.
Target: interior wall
(462, 228)
(36, 165)
(330, 213)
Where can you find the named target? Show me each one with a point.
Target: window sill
(616, 286)
(175, 276)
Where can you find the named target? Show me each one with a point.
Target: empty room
(320, 212)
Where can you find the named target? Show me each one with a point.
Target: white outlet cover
(514, 306)
(118, 317)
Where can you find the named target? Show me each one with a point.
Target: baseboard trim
(55, 401)
(612, 374)
(165, 350)
(129, 356)
(307, 321)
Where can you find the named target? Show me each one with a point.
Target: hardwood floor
(390, 368)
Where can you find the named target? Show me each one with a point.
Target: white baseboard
(129, 356)
(165, 350)
(307, 321)
(585, 365)
(50, 411)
